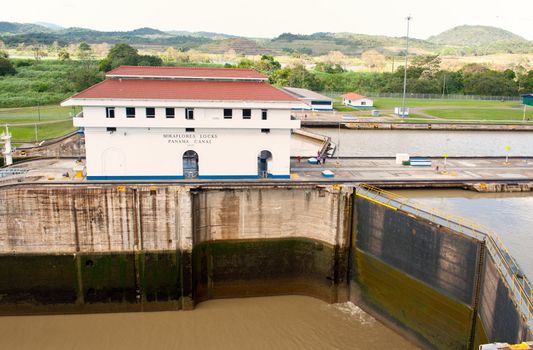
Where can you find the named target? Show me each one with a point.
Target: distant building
(352, 99)
(313, 100)
(160, 123)
(527, 99)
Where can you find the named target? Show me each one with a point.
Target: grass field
(338, 106)
(480, 114)
(32, 115)
(390, 103)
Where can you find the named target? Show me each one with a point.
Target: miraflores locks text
(203, 138)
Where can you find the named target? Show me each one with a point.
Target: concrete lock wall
(418, 275)
(440, 285)
(80, 248)
(499, 315)
(252, 242)
(92, 248)
(87, 248)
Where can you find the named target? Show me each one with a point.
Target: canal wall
(440, 285)
(105, 248)
(253, 242)
(420, 276)
(498, 313)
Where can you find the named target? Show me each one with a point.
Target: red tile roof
(353, 96)
(186, 72)
(184, 90)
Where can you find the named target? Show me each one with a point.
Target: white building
(313, 100)
(352, 99)
(157, 123)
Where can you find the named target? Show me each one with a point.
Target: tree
(39, 52)
(6, 68)
(124, 54)
(245, 63)
(63, 55)
(86, 75)
(297, 76)
(328, 67)
(427, 63)
(489, 83)
(267, 65)
(84, 51)
(526, 82)
(149, 60)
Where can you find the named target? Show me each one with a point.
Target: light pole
(409, 18)
(338, 139)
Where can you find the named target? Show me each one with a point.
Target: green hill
(18, 28)
(480, 40)
(347, 43)
(474, 36)
(461, 41)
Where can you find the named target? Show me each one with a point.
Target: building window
(246, 113)
(228, 113)
(265, 131)
(264, 114)
(189, 129)
(150, 112)
(170, 112)
(110, 112)
(130, 112)
(111, 130)
(189, 113)
(363, 103)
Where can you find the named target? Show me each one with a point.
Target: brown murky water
(287, 322)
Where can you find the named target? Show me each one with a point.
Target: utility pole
(338, 139)
(444, 86)
(409, 18)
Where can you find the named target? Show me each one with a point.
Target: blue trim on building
(270, 176)
(171, 177)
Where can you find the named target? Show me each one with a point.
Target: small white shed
(352, 99)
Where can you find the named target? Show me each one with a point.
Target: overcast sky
(269, 18)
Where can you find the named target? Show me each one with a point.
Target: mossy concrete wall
(438, 284)
(418, 275)
(79, 248)
(499, 315)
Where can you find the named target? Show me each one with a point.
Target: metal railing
(508, 268)
(12, 171)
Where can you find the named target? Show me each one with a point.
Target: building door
(262, 163)
(190, 165)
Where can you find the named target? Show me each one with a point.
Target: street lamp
(409, 18)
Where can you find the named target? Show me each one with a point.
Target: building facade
(163, 123)
(352, 99)
(314, 101)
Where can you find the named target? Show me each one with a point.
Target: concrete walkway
(347, 170)
(379, 169)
